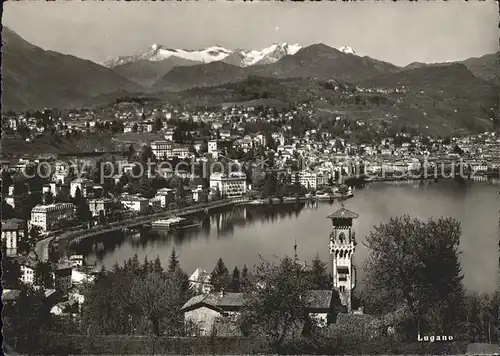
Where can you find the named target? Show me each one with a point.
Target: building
(198, 194)
(85, 186)
(13, 230)
(162, 149)
(204, 312)
(47, 216)
(27, 266)
(307, 179)
(212, 148)
(135, 203)
(181, 151)
(230, 186)
(199, 282)
(166, 196)
(62, 278)
(98, 205)
(187, 197)
(342, 246)
(77, 260)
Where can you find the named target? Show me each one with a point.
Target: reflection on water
(242, 234)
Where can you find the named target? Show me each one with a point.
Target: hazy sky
(399, 32)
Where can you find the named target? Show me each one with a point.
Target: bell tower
(342, 246)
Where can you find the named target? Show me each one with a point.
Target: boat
(320, 195)
(337, 195)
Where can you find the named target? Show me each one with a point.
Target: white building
(13, 230)
(98, 205)
(85, 185)
(166, 196)
(181, 151)
(307, 179)
(232, 185)
(138, 204)
(46, 216)
(162, 149)
(76, 260)
(27, 271)
(212, 148)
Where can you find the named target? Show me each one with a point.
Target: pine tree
(220, 276)
(319, 274)
(157, 268)
(235, 281)
(173, 261)
(146, 266)
(244, 278)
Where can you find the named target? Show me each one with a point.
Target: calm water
(240, 235)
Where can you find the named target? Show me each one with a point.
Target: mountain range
(148, 67)
(315, 61)
(36, 78)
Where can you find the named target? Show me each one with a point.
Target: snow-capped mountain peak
(270, 54)
(241, 58)
(347, 50)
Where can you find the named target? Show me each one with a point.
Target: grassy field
(15, 146)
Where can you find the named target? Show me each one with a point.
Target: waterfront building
(47, 216)
(13, 230)
(166, 196)
(306, 178)
(231, 185)
(98, 205)
(135, 203)
(342, 246)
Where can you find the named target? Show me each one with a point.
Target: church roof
(343, 213)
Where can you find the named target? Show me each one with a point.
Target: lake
(244, 235)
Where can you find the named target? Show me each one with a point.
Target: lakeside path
(42, 246)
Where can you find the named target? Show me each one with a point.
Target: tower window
(343, 270)
(342, 289)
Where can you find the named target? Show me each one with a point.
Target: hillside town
(257, 153)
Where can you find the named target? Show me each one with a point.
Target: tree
(414, 265)
(319, 275)
(78, 198)
(269, 185)
(220, 276)
(180, 195)
(234, 286)
(173, 261)
(11, 273)
(43, 275)
(48, 198)
(278, 306)
(155, 296)
(158, 124)
(157, 268)
(244, 280)
(458, 150)
(27, 319)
